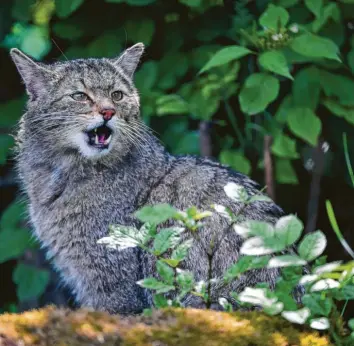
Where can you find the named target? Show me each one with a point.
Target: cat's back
(200, 182)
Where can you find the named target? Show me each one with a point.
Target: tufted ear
(128, 61)
(35, 75)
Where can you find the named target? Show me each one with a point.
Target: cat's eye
(117, 96)
(79, 96)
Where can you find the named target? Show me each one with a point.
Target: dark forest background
(302, 161)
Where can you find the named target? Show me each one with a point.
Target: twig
(315, 189)
(205, 142)
(268, 167)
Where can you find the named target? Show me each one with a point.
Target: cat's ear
(35, 76)
(130, 58)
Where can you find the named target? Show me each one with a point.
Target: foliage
(265, 246)
(282, 68)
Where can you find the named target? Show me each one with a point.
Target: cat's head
(88, 106)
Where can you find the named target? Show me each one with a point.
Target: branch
(205, 143)
(268, 167)
(315, 188)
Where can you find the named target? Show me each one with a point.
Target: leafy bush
(324, 284)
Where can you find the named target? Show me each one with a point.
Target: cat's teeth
(96, 139)
(107, 141)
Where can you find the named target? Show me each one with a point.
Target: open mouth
(100, 137)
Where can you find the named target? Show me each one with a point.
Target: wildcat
(86, 160)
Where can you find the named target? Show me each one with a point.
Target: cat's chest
(90, 204)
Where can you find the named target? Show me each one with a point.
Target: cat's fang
(96, 140)
(108, 140)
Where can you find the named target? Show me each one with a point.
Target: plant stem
(347, 158)
(344, 307)
(210, 276)
(232, 117)
(268, 167)
(334, 224)
(315, 188)
(205, 143)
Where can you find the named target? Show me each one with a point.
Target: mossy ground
(187, 327)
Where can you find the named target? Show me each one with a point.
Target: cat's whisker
(137, 135)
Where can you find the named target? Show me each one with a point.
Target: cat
(86, 160)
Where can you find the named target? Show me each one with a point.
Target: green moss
(51, 326)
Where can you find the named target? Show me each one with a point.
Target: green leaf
(11, 112)
(315, 47)
(284, 172)
(244, 264)
(285, 261)
(312, 246)
(13, 243)
(298, 316)
(258, 246)
(166, 239)
(317, 304)
(254, 228)
(306, 88)
(350, 59)
(65, 8)
(331, 11)
(235, 160)
(31, 282)
(315, 6)
(260, 198)
(275, 61)
(284, 289)
(188, 143)
(6, 143)
(171, 104)
(338, 86)
(274, 17)
(13, 215)
(123, 237)
(224, 56)
(146, 77)
(236, 192)
(284, 146)
(259, 90)
(35, 42)
(102, 46)
(321, 323)
(155, 214)
(140, 31)
(181, 251)
(281, 115)
(68, 31)
(185, 280)
(22, 9)
(304, 123)
(351, 323)
(263, 297)
(288, 229)
(166, 273)
(160, 301)
(156, 285)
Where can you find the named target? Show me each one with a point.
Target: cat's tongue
(101, 139)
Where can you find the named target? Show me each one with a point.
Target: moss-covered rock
(185, 327)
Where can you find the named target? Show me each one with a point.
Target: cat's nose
(107, 113)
